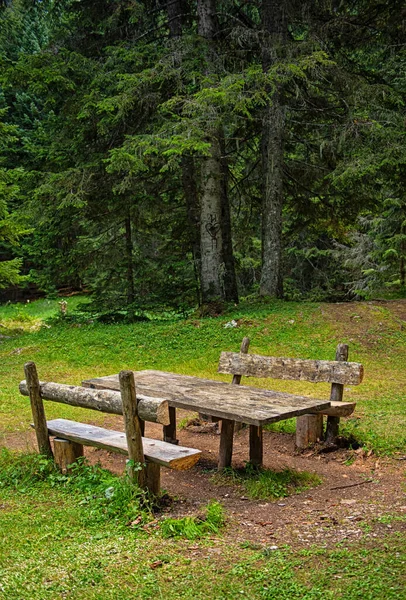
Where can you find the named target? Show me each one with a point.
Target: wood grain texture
(226, 444)
(247, 404)
(338, 409)
(336, 395)
(37, 409)
(156, 451)
(309, 430)
(245, 344)
(155, 410)
(132, 424)
(66, 453)
(254, 365)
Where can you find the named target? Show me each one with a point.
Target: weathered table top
(247, 404)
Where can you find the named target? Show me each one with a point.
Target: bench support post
(309, 430)
(337, 392)
(226, 444)
(237, 378)
(37, 407)
(66, 453)
(256, 445)
(133, 428)
(170, 430)
(153, 477)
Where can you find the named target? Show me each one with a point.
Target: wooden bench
(309, 427)
(146, 455)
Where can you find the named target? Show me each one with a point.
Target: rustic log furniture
(71, 435)
(229, 402)
(309, 427)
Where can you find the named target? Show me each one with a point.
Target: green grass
(59, 541)
(264, 484)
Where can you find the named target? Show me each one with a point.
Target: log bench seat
(155, 451)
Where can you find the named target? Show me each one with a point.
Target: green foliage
(270, 485)
(103, 495)
(193, 528)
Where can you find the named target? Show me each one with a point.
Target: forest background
(164, 154)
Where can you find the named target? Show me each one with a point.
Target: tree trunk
(402, 261)
(129, 260)
(273, 126)
(230, 279)
(174, 11)
(217, 272)
(211, 239)
(192, 206)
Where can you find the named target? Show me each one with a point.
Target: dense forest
(177, 153)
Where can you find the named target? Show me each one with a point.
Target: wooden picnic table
(228, 402)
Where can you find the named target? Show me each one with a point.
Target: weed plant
(193, 528)
(264, 484)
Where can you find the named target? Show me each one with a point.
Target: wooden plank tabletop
(242, 403)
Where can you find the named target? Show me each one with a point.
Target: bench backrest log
(338, 372)
(315, 371)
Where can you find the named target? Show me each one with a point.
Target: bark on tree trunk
(217, 265)
(402, 261)
(273, 126)
(211, 239)
(192, 206)
(129, 257)
(230, 279)
(174, 11)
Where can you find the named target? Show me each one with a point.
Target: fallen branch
(342, 487)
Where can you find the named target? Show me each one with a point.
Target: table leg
(256, 446)
(170, 430)
(226, 443)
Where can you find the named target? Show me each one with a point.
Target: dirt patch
(334, 511)
(366, 322)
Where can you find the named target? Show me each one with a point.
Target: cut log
(136, 468)
(66, 453)
(156, 451)
(245, 344)
(309, 430)
(256, 445)
(254, 365)
(336, 395)
(226, 444)
(155, 410)
(153, 475)
(338, 409)
(170, 430)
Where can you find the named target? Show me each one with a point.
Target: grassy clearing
(59, 540)
(71, 352)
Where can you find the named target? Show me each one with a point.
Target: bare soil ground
(357, 496)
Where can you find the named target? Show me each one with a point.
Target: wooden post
(153, 478)
(309, 430)
(336, 395)
(132, 428)
(170, 430)
(226, 444)
(229, 427)
(66, 453)
(37, 407)
(237, 378)
(256, 445)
